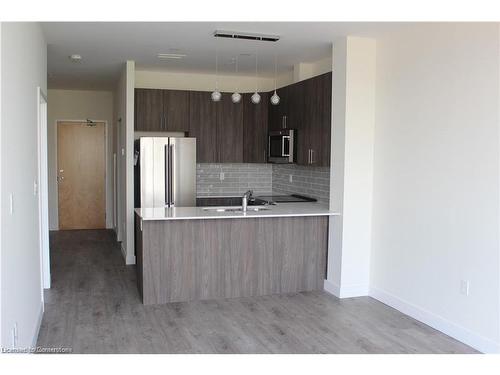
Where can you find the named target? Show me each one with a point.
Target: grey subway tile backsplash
(238, 178)
(313, 182)
(263, 179)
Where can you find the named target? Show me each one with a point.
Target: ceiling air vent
(247, 36)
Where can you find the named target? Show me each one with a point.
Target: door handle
(167, 179)
(171, 166)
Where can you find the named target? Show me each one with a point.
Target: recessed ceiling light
(171, 55)
(75, 58)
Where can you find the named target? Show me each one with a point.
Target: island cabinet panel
(185, 260)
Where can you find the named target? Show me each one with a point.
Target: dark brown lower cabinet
(186, 260)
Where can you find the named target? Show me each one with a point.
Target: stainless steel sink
(236, 209)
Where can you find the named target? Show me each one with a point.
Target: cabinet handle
(312, 156)
(309, 156)
(285, 120)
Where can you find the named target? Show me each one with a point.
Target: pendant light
(236, 97)
(216, 95)
(256, 96)
(275, 99)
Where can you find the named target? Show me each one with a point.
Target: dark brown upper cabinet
(278, 113)
(255, 120)
(229, 130)
(306, 107)
(203, 126)
(148, 110)
(176, 110)
(161, 110)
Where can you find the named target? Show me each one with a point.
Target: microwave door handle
(283, 139)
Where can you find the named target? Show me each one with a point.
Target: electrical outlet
(123, 152)
(290, 178)
(35, 188)
(464, 287)
(221, 176)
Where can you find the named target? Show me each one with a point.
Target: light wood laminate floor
(94, 307)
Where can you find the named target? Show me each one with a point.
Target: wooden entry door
(81, 175)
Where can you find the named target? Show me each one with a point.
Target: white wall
(199, 81)
(227, 83)
(306, 70)
(23, 69)
(436, 178)
(124, 110)
(78, 105)
(353, 120)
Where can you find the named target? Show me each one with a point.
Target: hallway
(94, 307)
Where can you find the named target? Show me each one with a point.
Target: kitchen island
(197, 253)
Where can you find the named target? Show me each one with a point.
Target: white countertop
(194, 213)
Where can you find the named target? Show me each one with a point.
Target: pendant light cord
(256, 59)
(216, 64)
(236, 69)
(275, 70)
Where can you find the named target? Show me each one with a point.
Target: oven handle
(287, 137)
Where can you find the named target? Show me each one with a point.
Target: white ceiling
(104, 47)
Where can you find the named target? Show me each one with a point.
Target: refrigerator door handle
(171, 175)
(167, 179)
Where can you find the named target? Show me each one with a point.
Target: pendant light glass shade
(216, 96)
(275, 99)
(256, 98)
(236, 97)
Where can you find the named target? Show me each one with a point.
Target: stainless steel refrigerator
(165, 172)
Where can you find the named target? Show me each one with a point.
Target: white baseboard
(451, 329)
(128, 259)
(38, 324)
(332, 288)
(346, 291)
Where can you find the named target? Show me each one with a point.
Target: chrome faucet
(244, 200)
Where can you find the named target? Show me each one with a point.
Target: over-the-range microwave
(282, 146)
